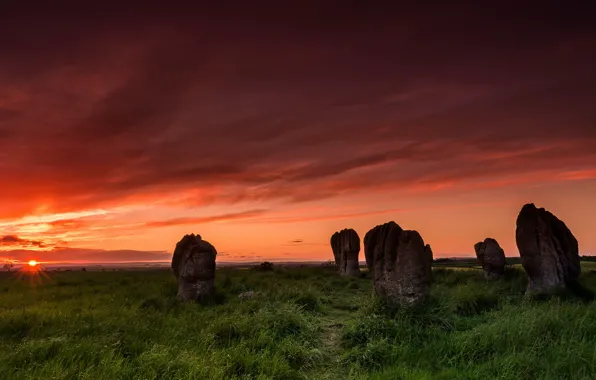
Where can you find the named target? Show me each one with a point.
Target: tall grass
(299, 323)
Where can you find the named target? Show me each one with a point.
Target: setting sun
(32, 263)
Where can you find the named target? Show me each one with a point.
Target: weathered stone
(549, 251)
(492, 258)
(193, 264)
(401, 263)
(346, 247)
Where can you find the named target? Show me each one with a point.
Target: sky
(265, 128)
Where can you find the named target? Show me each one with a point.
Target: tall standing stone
(193, 265)
(549, 251)
(492, 258)
(429, 257)
(400, 262)
(345, 245)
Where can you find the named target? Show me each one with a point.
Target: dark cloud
(12, 240)
(259, 103)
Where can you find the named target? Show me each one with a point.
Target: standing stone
(491, 257)
(549, 251)
(193, 264)
(346, 247)
(400, 262)
(370, 241)
(429, 257)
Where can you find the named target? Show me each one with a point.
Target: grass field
(302, 323)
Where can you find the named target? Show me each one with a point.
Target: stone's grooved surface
(193, 264)
(401, 263)
(549, 251)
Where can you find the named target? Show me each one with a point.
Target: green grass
(302, 323)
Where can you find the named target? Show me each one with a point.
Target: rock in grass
(346, 247)
(492, 258)
(193, 264)
(247, 295)
(549, 251)
(401, 263)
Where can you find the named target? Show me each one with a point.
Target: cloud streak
(81, 255)
(206, 219)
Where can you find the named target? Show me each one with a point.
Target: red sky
(266, 129)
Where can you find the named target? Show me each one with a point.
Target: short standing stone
(549, 251)
(492, 258)
(346, 247)
(193, 264)
(401, 263)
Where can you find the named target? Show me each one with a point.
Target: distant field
(587, 266)
(303, 323)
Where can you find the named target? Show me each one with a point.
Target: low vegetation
(297, 323)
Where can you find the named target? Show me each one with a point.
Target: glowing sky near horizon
(266, 130)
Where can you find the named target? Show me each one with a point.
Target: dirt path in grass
(331, 327)
(343, 299)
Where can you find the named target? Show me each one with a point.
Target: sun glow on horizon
(32, 263)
